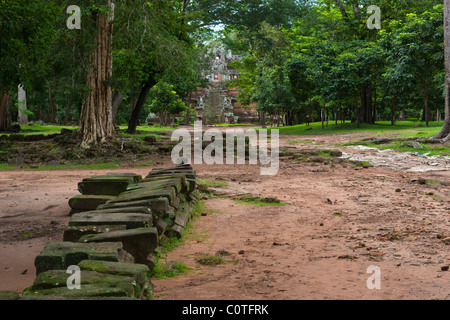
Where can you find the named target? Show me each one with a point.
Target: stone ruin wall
(117, 223)
(218, 103)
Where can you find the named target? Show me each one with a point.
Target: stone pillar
(22, 98)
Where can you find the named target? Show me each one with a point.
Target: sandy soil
(337, 222)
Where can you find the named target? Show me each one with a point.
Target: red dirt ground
(338, 221)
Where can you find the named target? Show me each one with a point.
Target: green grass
(234, 124)
(161, 271)
(6, 166)
(402, 130)
(51, 129)
(43, 129)
(399, 145)
(210, 260)
(210, 183)
(257, 201)
(29, 235)
(381, 127)
(143, 164)
(150, 128)
(78, 166)
(46, 128)
(139, 135)
(168, 244)
(303, 141)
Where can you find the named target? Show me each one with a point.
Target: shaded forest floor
(339, 215)
(32, 150)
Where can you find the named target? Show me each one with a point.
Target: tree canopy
(301, 60)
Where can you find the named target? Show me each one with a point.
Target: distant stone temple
(218, 103)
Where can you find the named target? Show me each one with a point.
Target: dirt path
(338, 221)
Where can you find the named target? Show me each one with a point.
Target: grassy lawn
(381, 127)
(144, 129)
(51, 129)
(401, 131)
(44, 129)
(398, 145)
(6, 166)
(234, 124)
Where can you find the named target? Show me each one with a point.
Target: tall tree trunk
(393, 113)
(117, 100)
(132, 100)
(374, 115)
(426, 111)
(96, 118)
(366, 105)
(39, 112)
(369, 105)
(342, 9)
(356, 10)
(5, 115)
(445, 132)
(66, 117)
(132, 123)
(187, 118)
(183, 21)
(362, 109)
(262, 119)
(51, 106)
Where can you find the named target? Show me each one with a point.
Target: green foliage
(208, 260)
(302, 60)
(258, 201)
(168, 270)
(165, 101)
(322, 64)
(210, 183)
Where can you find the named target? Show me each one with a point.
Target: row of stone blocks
(115, 226)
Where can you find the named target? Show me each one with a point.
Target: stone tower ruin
(218, 102)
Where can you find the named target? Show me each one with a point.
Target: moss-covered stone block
(60, 255)
(175, 231)
(182, 178)
(93, 284)
(109, 184)
(74, 233)
(88, 202)
(103, 187)
(130, 220)
(135, 270)
(138, 242)
(158, 206)
(147, 193)
(159, 184)
(129, 209)
(189, 174)
(136, 178)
